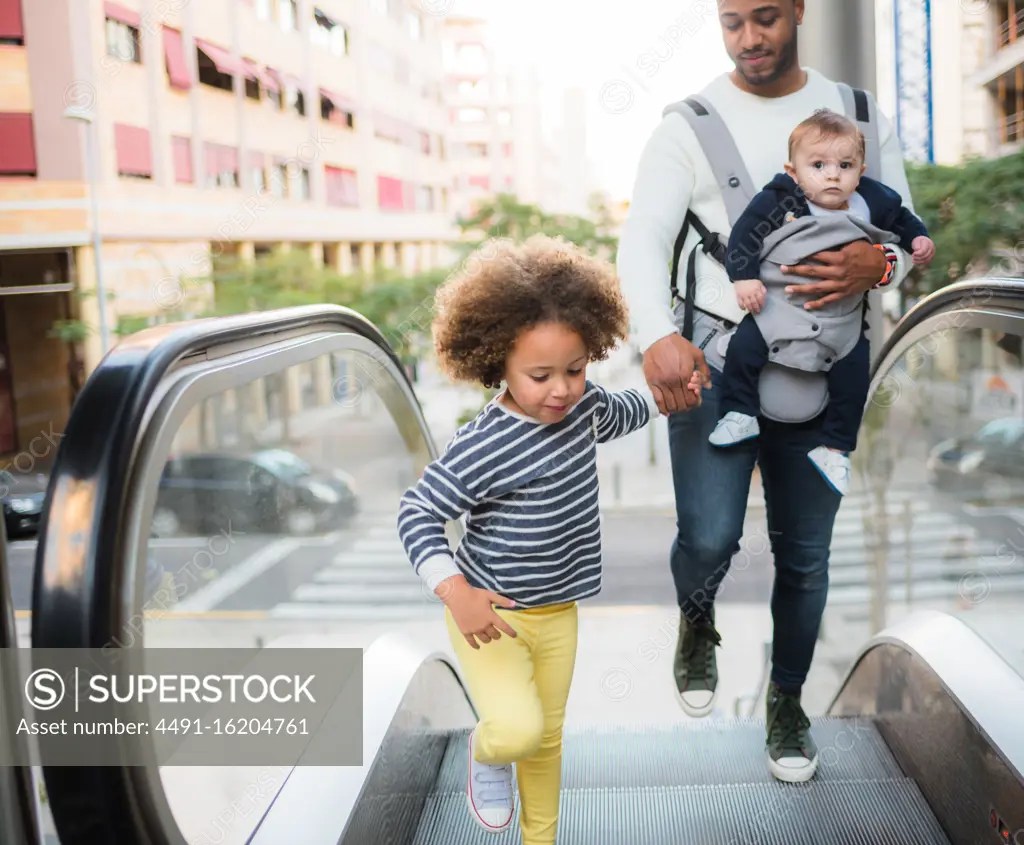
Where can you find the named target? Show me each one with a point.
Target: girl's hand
(473, 611)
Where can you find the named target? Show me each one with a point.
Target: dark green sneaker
(792, 754)
(695, 668)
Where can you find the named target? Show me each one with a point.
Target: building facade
(495, 135)
(233, 127)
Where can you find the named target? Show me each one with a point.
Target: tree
(504, 216)
(974, 213)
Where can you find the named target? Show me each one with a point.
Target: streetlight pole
(87, 117)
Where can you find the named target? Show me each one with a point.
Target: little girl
(524, 470)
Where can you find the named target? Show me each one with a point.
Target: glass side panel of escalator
(935, 516)
(275, 514)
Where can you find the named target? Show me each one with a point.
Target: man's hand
(473, 611)
(669, 365)
(854, 269)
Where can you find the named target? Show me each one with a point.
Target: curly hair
(505, 288)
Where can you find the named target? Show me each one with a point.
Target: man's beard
(787, 58)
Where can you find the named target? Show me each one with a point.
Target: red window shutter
(389, 193)
(183, 170)
(174, 58)
(11, 25)
(133, 154)
(117, 12)
(18, 150)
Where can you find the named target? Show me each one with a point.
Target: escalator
(923, 741)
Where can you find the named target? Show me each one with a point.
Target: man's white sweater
(674, 174)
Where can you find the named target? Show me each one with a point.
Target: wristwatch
(890, 265)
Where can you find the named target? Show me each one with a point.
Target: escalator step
(698, 753)
(890, 812)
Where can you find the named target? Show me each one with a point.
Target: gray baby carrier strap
(787, 394)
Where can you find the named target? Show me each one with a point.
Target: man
(761, 101)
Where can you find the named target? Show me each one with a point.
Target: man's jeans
(711, 488)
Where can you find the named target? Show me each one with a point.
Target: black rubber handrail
(75, 600)
(19, 821)
(986, 293)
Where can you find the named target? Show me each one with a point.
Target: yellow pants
(519, 686)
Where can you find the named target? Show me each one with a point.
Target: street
(361, 573)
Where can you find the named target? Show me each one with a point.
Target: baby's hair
(825, 123)
(507, 287)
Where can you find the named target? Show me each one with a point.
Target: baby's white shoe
(834, 467)
(734, 427)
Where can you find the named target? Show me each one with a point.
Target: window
(476, 150)
(123, 42)
(134, 158)
(504, 117)
(472, 115)
(181, 149)
(425, 145)
(264, 9)
(471, 57)
(329, 34)
(333, 113)
(414, 23)
(287, 14)
(342, 187)
(390, 194)
(305, 192)
(424, 198)
(295, 99)
(18, 151)
(279, 180)
(473, 88)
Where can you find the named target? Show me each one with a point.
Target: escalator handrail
(986, 688)
(19, 821)
(295, 815)
(998, 292)
(76, 593)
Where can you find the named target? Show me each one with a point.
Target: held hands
(854, 269)
(924, 250)
(676, 371)
(472, 610)
(750, 294)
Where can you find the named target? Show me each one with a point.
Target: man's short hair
(825, 123)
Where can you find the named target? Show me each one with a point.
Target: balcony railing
(1011, 128)
(1010, 29)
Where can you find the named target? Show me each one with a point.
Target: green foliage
(69, 331)
(402, 307)
(974, 213)
(505, 216)
(399, 306)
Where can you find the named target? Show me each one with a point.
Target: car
(23, 498)
(269, 491)
(995, 452)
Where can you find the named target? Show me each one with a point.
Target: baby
(823, 179)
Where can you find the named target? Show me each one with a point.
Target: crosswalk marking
(939, 550)
(370, 579)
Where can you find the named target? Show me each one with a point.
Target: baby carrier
(788, 394)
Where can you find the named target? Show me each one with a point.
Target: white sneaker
(734, 427)
(834, 467)
(489, 793)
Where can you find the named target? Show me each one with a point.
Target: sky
(631, 58)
